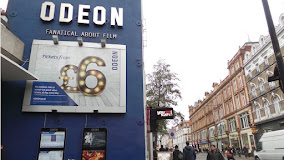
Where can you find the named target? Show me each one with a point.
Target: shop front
(234, 140)
(223, 143)
(247, 139)
(203, 145)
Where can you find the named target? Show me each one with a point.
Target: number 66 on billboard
(75, 78)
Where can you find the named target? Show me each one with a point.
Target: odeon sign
(66, 14)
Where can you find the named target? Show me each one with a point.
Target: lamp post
(279, 68)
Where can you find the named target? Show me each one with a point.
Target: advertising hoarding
(73, 78)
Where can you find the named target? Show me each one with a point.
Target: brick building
(224, 116)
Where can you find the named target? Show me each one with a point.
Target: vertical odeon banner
(87, 56)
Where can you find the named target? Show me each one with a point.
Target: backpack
(180, 155)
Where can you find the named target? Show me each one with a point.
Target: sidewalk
(236, 157)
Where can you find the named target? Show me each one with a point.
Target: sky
(198, 37)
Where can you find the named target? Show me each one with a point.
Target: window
(261, 84)
(216, 116)
(266, 107)
(253, 89)
(245, 122)
(203, 134)
(232, 69)
(232, 124)
(257, 67)
(240, 81)
(212, 131)
(229, 90)
(221, 128)
(237, 65)
(221, 113)
(227, 108)
(244, 99)
(266, 62)
(235, 85)
(238, 102)
(276, 103)
(231, 106)
(220, 98)
(225, 94)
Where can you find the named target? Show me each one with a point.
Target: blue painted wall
(20, 131)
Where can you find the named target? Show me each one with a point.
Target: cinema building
(266, 98)
(224, 116)
(72, 80)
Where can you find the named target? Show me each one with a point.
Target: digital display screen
(50, 155)
(52, 139)
(93, 155)
(95, 139)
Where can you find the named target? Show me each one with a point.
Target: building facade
(224, 116)
(182, 134)
(266, 98)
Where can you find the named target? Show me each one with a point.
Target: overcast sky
(198, 37)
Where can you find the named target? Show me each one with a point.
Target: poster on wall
(94, 144)
(77, 79)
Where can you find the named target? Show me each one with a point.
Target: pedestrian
(239, 151)
(177, 154)
(229, 153)
(214, 154)
(162, 148)
(188, 152)
(234, 151)
(245, 151)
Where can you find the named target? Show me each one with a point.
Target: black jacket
(215, 156)
(175, 154)
(189, 153)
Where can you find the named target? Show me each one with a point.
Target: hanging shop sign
(165, 113)
(77, 79)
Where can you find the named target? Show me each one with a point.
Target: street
(202, 156)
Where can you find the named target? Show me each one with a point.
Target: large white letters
(81, 14)
(69, 8)
(43, 15)
(66, 14)
(96, 15)
(118, 17)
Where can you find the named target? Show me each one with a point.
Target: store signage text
(82, 34)
(66, 14)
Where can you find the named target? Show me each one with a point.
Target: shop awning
(11, 71)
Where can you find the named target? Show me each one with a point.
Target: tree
(163, 91)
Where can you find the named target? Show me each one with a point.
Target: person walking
(229, 153)
(162, 148)
(177, 154)
(188, 152)
(214, 154)
(245, 151)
